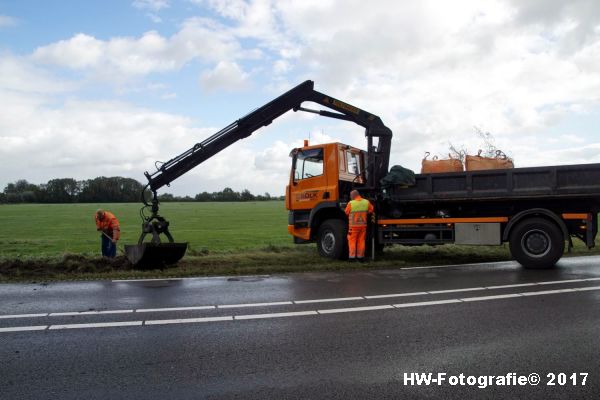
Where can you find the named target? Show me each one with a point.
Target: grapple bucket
(151, 255)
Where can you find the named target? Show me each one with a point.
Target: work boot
(361, 260)
(351, 260)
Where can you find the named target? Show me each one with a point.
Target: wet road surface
(309, 335)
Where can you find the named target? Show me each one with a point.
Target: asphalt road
(314, 335)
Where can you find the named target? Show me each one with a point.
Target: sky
(105, 88)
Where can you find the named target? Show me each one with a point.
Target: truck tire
(331, 239)
(537, 243)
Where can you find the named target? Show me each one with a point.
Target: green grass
(55, 229)
(49, 242)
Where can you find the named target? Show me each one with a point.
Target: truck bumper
(303, 234)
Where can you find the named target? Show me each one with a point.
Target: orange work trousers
(356, 241)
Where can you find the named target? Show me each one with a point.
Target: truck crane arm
(155, 225)
(169, 171)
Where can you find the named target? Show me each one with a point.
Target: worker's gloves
(373, 218)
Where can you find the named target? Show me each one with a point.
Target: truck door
(309, 179)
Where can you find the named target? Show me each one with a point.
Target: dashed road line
(294, 313)
(472, 289)
(96, 325)
(328, 300)
(354, 309)
(187, 320)
(499, 296)
(23, 315)
(276, 315)
(146, 310)
(427, 303)
(272, 303)
(297, 302)
(24, 328)
(70, 313)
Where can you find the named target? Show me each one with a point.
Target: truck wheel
(331, 239)
(537, 243)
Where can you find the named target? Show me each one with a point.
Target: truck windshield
(309, 163)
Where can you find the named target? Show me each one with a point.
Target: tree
(21, 192)
(204, 196)
(227, 195)
(246, 195)
(114, 189)
(63, 190)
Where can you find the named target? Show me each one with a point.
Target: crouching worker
(108, 224)
(357, 210)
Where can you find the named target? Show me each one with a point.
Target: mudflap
(151, 256)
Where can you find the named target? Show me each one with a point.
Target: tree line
(114, 189)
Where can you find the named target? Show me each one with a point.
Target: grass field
(54, 229)
(47, 242)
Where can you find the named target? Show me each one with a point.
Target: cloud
(122, 57)
(17, 74)
(152, 5)
(226, 76)
(7, 21)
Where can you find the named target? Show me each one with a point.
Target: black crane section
(291, 100)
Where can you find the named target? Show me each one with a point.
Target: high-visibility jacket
(109, 225)
(357, 211)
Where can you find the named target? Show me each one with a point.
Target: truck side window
(309, 163)
(353, 163)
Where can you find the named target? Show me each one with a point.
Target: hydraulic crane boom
(263, 116)
(164, 253)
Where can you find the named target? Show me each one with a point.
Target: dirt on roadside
(43, 268)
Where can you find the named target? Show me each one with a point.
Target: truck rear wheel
(537, 243)
(331, 239)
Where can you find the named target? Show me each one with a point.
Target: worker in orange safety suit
(357, 210)
(108, 224)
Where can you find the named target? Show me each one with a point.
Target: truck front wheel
(331, 239)
(537, 243)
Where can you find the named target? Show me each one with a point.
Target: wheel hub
(536, 243)
(328, 242)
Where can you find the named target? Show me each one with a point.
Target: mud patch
(68, 264)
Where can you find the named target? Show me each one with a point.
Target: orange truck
(537, 211)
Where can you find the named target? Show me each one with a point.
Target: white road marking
(148, 280)
(514, 285)
(559, 282)
(499, 296)
(272, 303)
(61, 314)
(353, 309)
(541, 292)
(292, 314)
(187, 320)
(142, 310)
(427, 303)
(327, 300)
(587, 288)
(24, 328)
(308, 301)
(457, 290)
(23, 316)
(385, 296)
(97, 325)
(276, 315)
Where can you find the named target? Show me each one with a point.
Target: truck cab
(321, 179)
